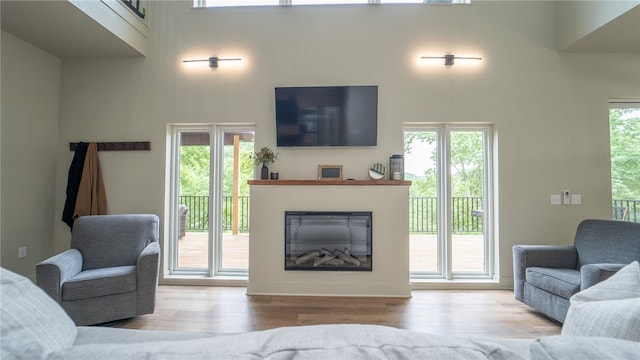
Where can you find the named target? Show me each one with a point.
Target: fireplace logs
(325, 257)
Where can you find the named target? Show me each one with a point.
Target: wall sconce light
(213, 61)
(449, 59)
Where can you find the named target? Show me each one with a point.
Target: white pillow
(32, 323)
(609, 309)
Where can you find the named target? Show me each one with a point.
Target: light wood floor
(225, 310)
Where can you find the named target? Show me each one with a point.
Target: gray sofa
(545, 277)
(33, 326)
(111, 271)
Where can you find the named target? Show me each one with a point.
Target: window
(624, 126)
(209, 199)
(450, 201)
(229, 3)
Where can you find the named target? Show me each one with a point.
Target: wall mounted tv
(326, 116)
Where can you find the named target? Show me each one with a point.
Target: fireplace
(328, 240)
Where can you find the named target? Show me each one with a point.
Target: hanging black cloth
(73, 182)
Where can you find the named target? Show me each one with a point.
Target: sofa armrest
(54, 271)
(148, 268)
(549, 256)
(591, 274)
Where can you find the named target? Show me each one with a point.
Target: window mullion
(446, 225)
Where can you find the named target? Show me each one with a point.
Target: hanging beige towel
(92, 199)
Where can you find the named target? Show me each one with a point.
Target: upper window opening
(230, 3)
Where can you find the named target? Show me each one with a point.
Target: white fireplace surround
(387, 200)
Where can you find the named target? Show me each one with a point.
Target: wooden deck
(467, 252)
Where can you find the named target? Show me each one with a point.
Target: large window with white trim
(209, 199)
(450, 206)
(624, 137)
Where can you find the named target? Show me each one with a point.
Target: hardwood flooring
(225, 310)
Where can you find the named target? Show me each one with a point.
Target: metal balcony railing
(467, 213)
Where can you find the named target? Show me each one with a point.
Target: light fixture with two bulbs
(449, 59)
(213, 61)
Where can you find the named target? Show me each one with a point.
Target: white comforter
(352, 342)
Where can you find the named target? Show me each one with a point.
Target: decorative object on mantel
(329, 172)
(377, 171)
(265, 157)
(396, 167)
(118, 146)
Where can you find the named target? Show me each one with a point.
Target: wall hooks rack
(118, 146)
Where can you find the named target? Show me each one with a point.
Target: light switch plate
(556, 199)
(576, 199)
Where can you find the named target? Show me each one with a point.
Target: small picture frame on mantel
(330, 172)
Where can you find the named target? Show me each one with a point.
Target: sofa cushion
(32, 323)
(562, 282)
(610, 308)
(100, 282)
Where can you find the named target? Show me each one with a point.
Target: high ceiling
(61, 29)
(620, 35)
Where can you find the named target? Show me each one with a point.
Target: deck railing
(467, 214)
(197, 218)
(627, 210)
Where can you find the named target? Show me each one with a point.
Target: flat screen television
(326, 116)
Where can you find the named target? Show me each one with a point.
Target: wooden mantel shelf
(331, 182)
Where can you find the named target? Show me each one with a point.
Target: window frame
(444, 205)
(215, 233)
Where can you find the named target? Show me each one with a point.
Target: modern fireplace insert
(328, 240)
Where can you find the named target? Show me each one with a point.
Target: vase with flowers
(264, 157)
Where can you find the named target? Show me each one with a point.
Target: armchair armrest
(550, 256)
(148, 268)
(54, 271)
(591, 274)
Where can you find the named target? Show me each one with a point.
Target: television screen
(326, 116)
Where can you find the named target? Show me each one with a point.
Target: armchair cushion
(607, 241)
(100, 282)
(106, 241)
(563, 282)
(30, 329)
(543, 256)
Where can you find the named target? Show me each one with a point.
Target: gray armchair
(546, 276)
(110, 272)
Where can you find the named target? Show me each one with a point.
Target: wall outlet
(566, 197)
(22, 252)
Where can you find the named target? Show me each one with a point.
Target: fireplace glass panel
(328, 241)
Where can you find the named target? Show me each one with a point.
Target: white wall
(549, 109)
(30, 88)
